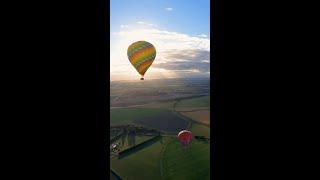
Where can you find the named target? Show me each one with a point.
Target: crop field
(200, 130)
(189, 163)
(166, 121)
(143, 164)
(201, 116)
(166, 159)
(157, 118)
(195, 102)
(142, 108)
(128, 115)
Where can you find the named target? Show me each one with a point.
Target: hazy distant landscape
(128, 93)
(145, 119)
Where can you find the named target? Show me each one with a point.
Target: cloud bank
(178, 54)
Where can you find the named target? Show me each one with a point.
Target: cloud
(141, 22)
(146, 23)
(164, 40)
(178, 54)
(188, 60)
(202, 35)
(124, 26)
(169, 9)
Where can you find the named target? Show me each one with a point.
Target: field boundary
(115, 174)
(138, 147)
(161, 157)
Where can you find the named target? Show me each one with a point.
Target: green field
(195, 102)
(164, 159)
(144, 164)
(190, 163)
(128, 115)
(200, 130)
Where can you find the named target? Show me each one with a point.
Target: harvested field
(200, 130)
(202, 116)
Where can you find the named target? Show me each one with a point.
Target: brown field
(202, 116)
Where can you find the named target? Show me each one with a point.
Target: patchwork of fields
(165, 158)
(157, 118)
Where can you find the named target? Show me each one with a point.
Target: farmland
(195, 102)
(201, 116)
(200, 130)
(166, 159)
(166, 121)
(157, 118)
(128, 115)
(190, 163)
(166, 106)
(143, 164)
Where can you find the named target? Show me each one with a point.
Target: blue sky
(187, 16)
(183, 25)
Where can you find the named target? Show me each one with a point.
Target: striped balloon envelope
(141, 55)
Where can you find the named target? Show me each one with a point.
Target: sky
(179, 30)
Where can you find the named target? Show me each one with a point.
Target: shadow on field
(138, 147)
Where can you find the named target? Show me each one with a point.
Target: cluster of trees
(138, 146)
(116, 137)
(201, 138)
(140, 130)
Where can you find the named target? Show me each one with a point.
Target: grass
(200, 130)
(195, 102)
(190, 163)
(144, 164)
(128, 115)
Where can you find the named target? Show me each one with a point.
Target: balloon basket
(142, 78)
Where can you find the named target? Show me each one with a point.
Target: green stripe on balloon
(145, 59)
(138, 49)
(141, 58)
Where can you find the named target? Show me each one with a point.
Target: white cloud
(146, 23)
(141, 22)
(124, 26)
(164, 40)
(167, 44)
(202, 35)
(169, 9)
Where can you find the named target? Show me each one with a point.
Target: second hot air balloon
(141, 55)
(185, 137)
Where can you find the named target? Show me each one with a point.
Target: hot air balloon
(185, 137)
(141, 55)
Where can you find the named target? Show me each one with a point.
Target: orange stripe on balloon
(144, 67)
(139, 54)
